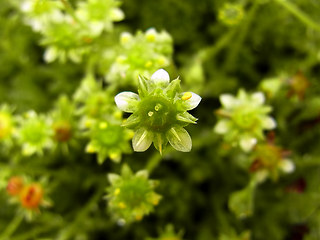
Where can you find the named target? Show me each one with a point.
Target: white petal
(269, 123)
(142, 140)
(125, 37)
(261, 175)
(127, 101)
(117, 14)
(287, 166)
(50, 54)
(179, 139)
(151, 34)
(258, 98)
(247, 143)
(96, 27)
(193, 102)
(222, 127)
(228, 101)
(160, 76)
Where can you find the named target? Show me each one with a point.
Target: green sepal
(113, 178)
(160, 142)
(173, 88)
(143, 86)
(131, 121)
(179, 139)
(126, 171)
(186, 117)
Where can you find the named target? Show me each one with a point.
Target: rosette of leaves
(159, 113)
(34, 133)
(109, 139)
(131, 196)
(243, 119)
(100, 15)
(141, 54)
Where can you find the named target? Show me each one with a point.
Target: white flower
(222, 126)
(228, 101)
(161, 76)
(258, 98)
(269, 123)
(247, 143)
(127, 101)
(287, 166)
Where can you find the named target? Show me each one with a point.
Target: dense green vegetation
(164, 120)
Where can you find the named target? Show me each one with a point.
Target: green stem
(14, 224)
(211, 52)
(303, 17)
(235, 48)
(153, 162)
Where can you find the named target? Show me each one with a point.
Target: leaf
(179, 139)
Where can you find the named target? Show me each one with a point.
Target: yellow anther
(138, 217)
(155, 201)
(90, 148)
(122, 205)
(148, 64)
(161, 61)
(121, 59)
(125, 38)
(150, 114)
(117, 191)
(157, 107)
(186, 96)
(115, 157)
(103, 125)
(118, 114)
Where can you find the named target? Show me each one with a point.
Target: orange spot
(14, 186)
(31, 196)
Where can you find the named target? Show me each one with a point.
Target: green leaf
(179, 139)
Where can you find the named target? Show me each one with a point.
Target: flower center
(157, 113)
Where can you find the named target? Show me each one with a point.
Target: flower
(15, 185)
(159, 113)
(34, 133)
(131, 196)
(109, 140)
(142, 54)
(243, 119)
(269, 160)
